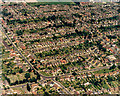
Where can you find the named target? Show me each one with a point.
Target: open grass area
(49, 3)
(113, 84)
(105, 86)
(12, 78)
(104, 71)
(100, 3)
(6, 54)
(21, 90)
(18, 77)
(116, 83)
(33, 75)
(46, 74)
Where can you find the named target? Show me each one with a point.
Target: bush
(19, 32)
(27, 75)
(74, 73)
(112, 67)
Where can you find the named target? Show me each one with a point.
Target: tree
(33, 79)
(118, 10)
(40, 54)
(21, 70)
(43, 89)
(30, 69)
(74, 73)
(27, 75)
(76, 30)
(110, 78)
(19, 32)
(56, 78)
(37, 88)
(112, 67)
(38, 76)
(119, 66)
(50, 91)
(69, 63)
(46, 94)
(16, 82)
(28, 87)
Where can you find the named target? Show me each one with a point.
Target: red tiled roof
(63, 61)
(55, 85)
(23, 47)
(12, 54)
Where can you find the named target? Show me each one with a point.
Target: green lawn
(113, 85)
(104, 71)
(46, 74)
(5, 55)
(32, 75)
(51, 2)
(20, 90)
(105, 86)
(116, 84)
(18, 77)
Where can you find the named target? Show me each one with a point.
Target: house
(76, 92)
(101, 75)
(97, 75)
(72, 78)
(86, 83)
(55, 86)
(51, 83)
(111, 57)
(106, 74)
(12, 54)
(33, 61)
(16, 92)
(107, 39)
(89, 75)
(38, 66)
(63, 61)
(61, 79)
(67, 78)
(33, 85)
(84, 76)
(23, 47)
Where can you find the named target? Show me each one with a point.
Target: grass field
(18, 77)
(105, 86)
(103, 71)
(21, 90)
(113, 84)
(50, 2)
(46, 74)
(5, 55)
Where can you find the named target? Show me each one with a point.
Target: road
(65, 89)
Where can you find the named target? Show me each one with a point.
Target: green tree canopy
(28, 87)
(27, 75)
